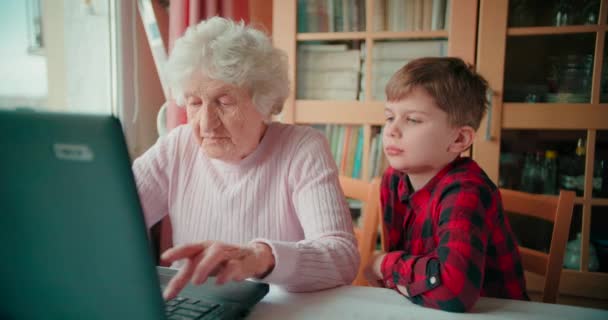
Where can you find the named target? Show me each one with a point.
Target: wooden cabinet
(546, 63)
(460, 33)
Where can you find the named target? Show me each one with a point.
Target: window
(57, 57)
(24, 74)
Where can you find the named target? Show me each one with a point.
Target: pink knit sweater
(285, 194)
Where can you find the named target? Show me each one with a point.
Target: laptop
(74, 242)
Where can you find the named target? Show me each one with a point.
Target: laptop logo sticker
(73, 152)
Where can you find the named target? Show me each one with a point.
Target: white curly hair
(234, 53)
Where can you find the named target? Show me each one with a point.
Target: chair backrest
(554, 209)
(367, 231)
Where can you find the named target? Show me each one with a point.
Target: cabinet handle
(489, 97)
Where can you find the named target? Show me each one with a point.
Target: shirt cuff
(285, 260)
(418, 274)
(425, 276)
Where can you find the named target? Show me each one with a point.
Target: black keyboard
(181, 308)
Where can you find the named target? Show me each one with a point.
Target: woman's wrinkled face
(225, 122)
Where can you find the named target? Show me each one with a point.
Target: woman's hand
(212, 258)
(373, 272)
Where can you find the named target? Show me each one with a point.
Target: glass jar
(572, 256)
(521, 14)
(563, 14)
(570, 78)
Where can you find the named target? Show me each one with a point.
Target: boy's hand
(373, 272)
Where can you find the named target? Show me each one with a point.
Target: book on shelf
(439, 15)
(390, 56)
(398, 15)
(354, 148)
(427, 15)
(379, 20)
(409, 49)
(308, 16)
(410, 15)
(301, 16)
(358, 166)
(346, 144)
(371, 157)
(322, 47)
(377, 159)
(386, 67)
(389, 15)
(347, 18)
(339, 132)
(327, 94)
(334, 79)
(330, 60)
(334, 137)
(418, 7)
(446, 15)
(352, 15)
(347, 151)
(330, 15)
(327, 72)
(379, 83)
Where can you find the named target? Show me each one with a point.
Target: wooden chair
(367, 232)
(554, 209)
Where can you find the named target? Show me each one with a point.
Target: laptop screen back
(73, 237)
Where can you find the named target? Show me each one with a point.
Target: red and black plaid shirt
(449, 242)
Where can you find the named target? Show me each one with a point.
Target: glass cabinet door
(545, 130)
(553, 13)
(598, 238)
(544, 61)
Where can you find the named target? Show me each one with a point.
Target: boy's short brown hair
(456, 87)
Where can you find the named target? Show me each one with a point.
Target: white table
(352, 302)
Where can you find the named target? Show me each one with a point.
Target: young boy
(449, 241)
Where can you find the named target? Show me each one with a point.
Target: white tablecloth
(352, 302)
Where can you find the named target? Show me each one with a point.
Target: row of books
(388, 15)
(327, 72)
(331, 15)
(346, 144)
(377, 158)
(410, 15)
(390, 56)
(335, 72)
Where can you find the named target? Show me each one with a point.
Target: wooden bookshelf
(564, 116)
(310, 36)
(537, 31)
(590, 118)
(461, 41)
(343, 112)
(389, 35)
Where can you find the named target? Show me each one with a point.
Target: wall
(87, 56)
(52, 22)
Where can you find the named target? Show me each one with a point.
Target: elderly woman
(248, 198)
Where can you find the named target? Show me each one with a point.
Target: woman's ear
(464, 140)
